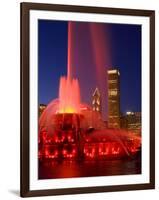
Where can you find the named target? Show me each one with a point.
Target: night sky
(123, 51)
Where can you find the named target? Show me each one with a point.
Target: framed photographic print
(87, 99)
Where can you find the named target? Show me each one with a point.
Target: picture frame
(28, 73)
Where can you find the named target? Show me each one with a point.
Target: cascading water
(69, 95)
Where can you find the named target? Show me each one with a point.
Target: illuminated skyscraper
(96, 100)
(113, 98)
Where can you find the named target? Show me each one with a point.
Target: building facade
(132, 122)
(96, 100)
(113, 98)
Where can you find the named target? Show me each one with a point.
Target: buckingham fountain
(69, 129)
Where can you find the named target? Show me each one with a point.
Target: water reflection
(69, 169)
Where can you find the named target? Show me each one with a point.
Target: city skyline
(130, 120)
(51, 60)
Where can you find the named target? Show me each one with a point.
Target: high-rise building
(96, 100)
(113, 98)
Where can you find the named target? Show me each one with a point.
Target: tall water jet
(69, 91)
(100, 38)
(69, 53)
(90, 52)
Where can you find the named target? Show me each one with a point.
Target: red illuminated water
(100, 40)
(69, 90)
(64, 126)
(69, 95)
(68, 169)
(70, 52)
(90, 58)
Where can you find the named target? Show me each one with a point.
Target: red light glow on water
(69, 95)
(69, 90)
(104, 144)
